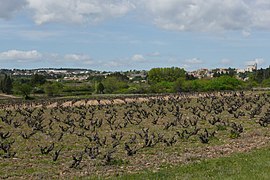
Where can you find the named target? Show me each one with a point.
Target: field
(122, 136)
(241, 166)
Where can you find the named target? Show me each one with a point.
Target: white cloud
(138, 58)
(259, 61)
(20, 55)
(226, 61)
(208, 15)
(179, 15)
(9, 7)
(246, 33)
(191, 64)
(49, 58)
(78, 11)
(193, 61)
(77, 57)
(154, 54)
(38, 34)
(113, 64)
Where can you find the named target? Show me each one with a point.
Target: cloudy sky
(134, 34)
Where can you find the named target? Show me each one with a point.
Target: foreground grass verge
(252, 165)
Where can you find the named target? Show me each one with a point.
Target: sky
(119, 35)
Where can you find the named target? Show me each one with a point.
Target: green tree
(266, 83)
(6, 84)
(179, 84)
(162, 87)
(23, 89)
(232, 72)
(96, 78)
(100, 88)
(156, 75)
(119, 76)
(260, 75)
(113, 84)
(195, 85)
(9, 85)
(249, 84)
(190, 77)
(216, 74)
(224, 83)
(53, 89)
(38, 79)
(1, 85)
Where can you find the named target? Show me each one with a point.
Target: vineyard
(106, 138)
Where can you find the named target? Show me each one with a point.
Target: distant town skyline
(141, 75)
(119, 35)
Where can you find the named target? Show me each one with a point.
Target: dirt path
(7, 96)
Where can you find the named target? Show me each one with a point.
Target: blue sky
(134, 34)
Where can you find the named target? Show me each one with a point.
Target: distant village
(135, 75)
(70, 74)
(206, 73)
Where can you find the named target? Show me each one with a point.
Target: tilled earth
(117, 136)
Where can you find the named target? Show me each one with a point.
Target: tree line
(158, 80)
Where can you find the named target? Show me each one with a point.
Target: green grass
(253, 165)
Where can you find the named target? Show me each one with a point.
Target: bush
(196, 85)
(225, 83)
(113, 84)
(266, 83)
(53, 89)
(81, 88)
(162, 87)
(215, 84)
(157, 75)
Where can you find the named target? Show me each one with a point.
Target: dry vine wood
(119, 131)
